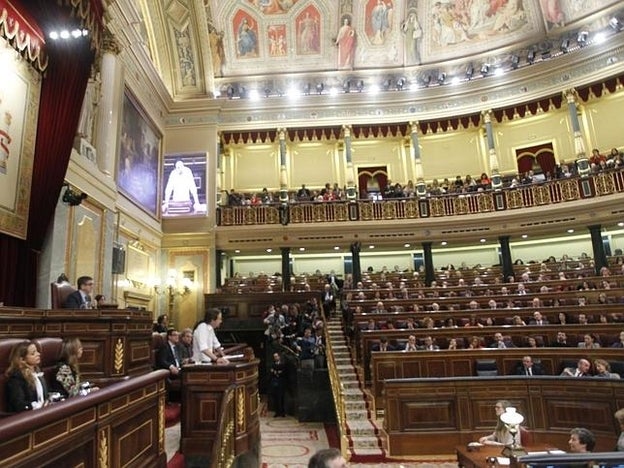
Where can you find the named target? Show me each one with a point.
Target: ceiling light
(400, 84)
(455, 80)
(443, 242)
(346, 86)
(570, 231)
(427, 80)
(293, 92)
(614, 23)
(319, 88)
(76, 33)
(524, 236)
(336, 248)
(374, 89)
(269, 250)
(371, 246)
(621, 224)
(64, 34)
(582, 37)
(598, 38)
(237, 251)
(407, 245)
(54, 35)
(301, 249)
(482, 240)
(254, 95)
(469, 72)
(565, 45)
(441, 77)
(485, 69)
(531, 56)
(360, 85)
(333, 91)
(498, 71)
(515, 61)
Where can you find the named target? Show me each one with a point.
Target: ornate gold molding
(109, 43)
(161, 424)
(240, 409)
(119, 356)
(22, 37)
(103, 448)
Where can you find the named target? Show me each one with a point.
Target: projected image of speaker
(119, 259)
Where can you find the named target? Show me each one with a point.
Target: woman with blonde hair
(67, 379)
(501, 435)
(603, 369)
(25, 387)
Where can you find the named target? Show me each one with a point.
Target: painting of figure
(138, 158)
(346, 44)
(413, 33)
(553, 14)
(309, 31)
(558, 13)
(276, 35)
(273, 7)
(379, 14)
(246, 35)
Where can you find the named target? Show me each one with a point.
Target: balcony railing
(473, 203)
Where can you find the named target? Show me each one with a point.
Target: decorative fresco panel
(308, 25)
(246, 35)
(276, 36)
(558, 13)
(273, 7)
(379, 15)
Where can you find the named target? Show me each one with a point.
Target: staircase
(361, 430)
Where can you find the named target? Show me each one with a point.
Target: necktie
(529, 371)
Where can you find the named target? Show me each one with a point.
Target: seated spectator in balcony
(582, 319)
(379, 308)
(504, 291)
(604, 284)
(619, 417)
(25, 386)
(484, 181)
(602, 369)
(452, 344)
(450, 323)
(162, 324)
(185, 347)
(435, 307)
(538, 319)
(589, 342)
(500, 342)
(266, 197)
(428, 322)
(536, 303)
(581, 440)
(521, 289)
(561, 341)
(581, 369)
(529, 368)
(371, 325)
(411, 344)
(517, 321)
(525, 277)
(596, 158)
(492, 304)
(234, 198)
(562, 319)
(428, 345)
(620, 342)
(475, 343)
(383, 345)
(531, 342)
(473, 321)
(411, 324)
(473, 305)
(303, 194)
(562, 276)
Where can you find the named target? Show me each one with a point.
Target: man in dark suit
(529, 368)
(80, 299)
(303, 194)
(383, 345)
(167, 356)
(538, 319)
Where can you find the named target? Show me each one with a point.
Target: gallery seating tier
(463, 363)
(427, 416)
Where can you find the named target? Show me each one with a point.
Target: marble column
(600, 257)
(495, 178)
(218, 265)
(417, 169)
(220, 174)
(351, 192)
(285, 268)
(582, 162)
(110, 104)
(355, 262)
(283, 171)
(429, 271)
(506, 261)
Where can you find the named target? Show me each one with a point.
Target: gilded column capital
(346, 130)
(414, 126)
(281, 132)
(486, 115)
(109, 43)
(570, 95)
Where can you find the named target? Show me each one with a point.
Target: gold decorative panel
(541, 194)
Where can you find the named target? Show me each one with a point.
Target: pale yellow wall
(451, 154)
(314, 164)
(604, 122)
(386, 259)
(308, 264)
(257, 265)
(540, 249)
(389, 153)
(485, 255)
(253, 167)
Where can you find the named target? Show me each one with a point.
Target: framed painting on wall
(19, 108)
(184, 181)
(138, 158)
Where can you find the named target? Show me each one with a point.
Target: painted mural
(273, 7)
(558, 13)
(246, 35)
(276, 36)
(413, 32)
(346, 43)
(308, 24)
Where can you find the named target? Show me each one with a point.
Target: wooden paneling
(430, 416)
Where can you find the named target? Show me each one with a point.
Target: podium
(219, 419)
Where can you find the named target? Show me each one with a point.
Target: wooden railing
(473, 203)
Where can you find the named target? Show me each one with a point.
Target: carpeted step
(365, 443)
(362, 428)
(355, 405)
(346, 384)
(356, 415)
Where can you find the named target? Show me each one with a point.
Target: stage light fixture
(565, 45)
(515, 61)
(400, 84)
(359, 85)
(441, 78)
(469, 72)
(319, 88)
(581, 38)
(531, 56)
(485, 69)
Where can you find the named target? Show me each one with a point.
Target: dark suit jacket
(534, 322)
(536, 369)
(73, 301)
(377, 347)
(20, 394)
(165, 358)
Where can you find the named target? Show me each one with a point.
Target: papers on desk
(503, 461)
(556, 452)
(231, 357)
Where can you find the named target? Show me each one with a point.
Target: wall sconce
(174, 286)
(512, 420)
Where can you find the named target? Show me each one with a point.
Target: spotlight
(441, 78)
(427, 80)
(319, 88)
(582, 37)
(469, 72)
(360, 85)
(400, 84)
(64, 34)
(531, 56)
(515, 61)
(230, 92)
(455, 80)
(76, 33)
(306, 89)
(499, 71)
(333, 91)
(565, 45)
(254, 95)
(485, 69)
(346, 86)
(73, 198)
(374, 88)
(600, 38)
(386, 84)
(54, 35)
(267, 91)
(614, 23)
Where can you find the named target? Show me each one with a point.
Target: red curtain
(525, 164)
(62, 91)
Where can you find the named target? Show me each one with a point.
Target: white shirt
(204, 338)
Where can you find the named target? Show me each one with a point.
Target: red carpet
(177, 461)
(172, 414)
(331, 430)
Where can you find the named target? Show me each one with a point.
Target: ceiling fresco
(209, 45)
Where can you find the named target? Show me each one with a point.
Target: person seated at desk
(428, 345)
(383, 345)
(67, 379)
(162, 324)
(500, 343)
(25, 388)
(185, 347)
(528, 367)
(603, 369)
(411, 344)
(206, 346)
(80, 299)
(167, 356)
(581, 440)
(501, 435)
(581, 369)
